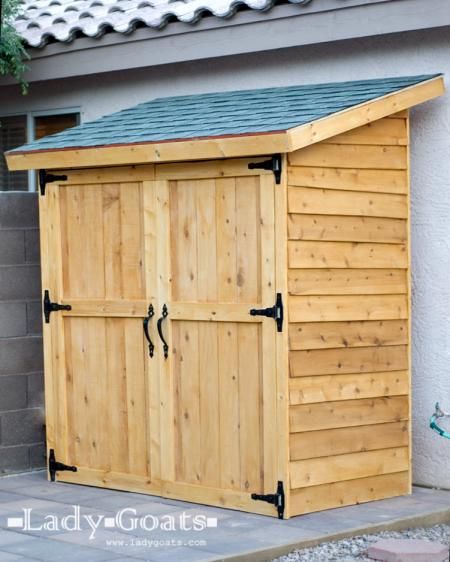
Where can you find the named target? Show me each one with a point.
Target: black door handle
(151, 313)
(165, 314)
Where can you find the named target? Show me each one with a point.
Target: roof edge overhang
(230, 146)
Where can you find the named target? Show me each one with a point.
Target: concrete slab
(231, 536)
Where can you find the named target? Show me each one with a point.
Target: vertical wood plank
(116, 413)
(268, 349)
(90, 262)
(79, 396)
(47, 282)
(56, 331)
(226, 239)
(151, 363)
(189, 456)
(229, 435)
(111, 221)
(95, 385)
(247, 240)
(250, 406)
(206, 241)
(282, 350)
(209, 404)
(165, 249)
(132, 240)
(137, 392)
(184, 248)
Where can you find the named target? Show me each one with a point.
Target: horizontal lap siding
(348, 306)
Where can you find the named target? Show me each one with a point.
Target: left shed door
(100, 392)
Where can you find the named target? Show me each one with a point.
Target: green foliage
(12, 51)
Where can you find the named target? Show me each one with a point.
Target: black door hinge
(50, 306)
(276, 499)
(45, 178)
(275, 312)
(274, 165)
(54, 465)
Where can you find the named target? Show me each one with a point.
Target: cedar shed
(226, 296)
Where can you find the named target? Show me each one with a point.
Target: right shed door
(216, 261)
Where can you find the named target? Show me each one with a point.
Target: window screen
(13, 133)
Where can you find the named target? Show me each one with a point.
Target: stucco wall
(411, 53)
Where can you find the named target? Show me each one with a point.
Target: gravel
(354, 549)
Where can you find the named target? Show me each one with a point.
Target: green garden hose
(434, 426)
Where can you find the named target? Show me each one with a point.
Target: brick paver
(230, 535)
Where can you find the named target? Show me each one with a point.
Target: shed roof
(278, 115)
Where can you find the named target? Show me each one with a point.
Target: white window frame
(31, 129)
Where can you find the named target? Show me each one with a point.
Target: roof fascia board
(148, 153)
(365, 113)
(247, 32)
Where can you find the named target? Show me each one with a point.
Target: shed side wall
(348, 260)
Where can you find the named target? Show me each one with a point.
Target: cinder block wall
(21, 363)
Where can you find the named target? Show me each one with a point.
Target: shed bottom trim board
(230, 499)
(350, 492)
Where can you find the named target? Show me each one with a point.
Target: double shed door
(197, 419)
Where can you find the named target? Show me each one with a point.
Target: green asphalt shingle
(223, 114)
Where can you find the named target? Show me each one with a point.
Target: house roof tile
(43, 21)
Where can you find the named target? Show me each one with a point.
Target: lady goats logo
(125, 520)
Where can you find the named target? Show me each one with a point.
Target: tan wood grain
(209, 399)
(111, 175)
(188, 453)
(268, 409)
(55, 333)
(316, 200)
(329, 442)
(350, 156)
(226, 239)
(346, 228)
(198, 149)
(314, 472)
(347, 281)
(348, 360)
(228, 372)
(251, 429)
(350, 492)
(152, 375)
(351, 179)
(105, 307)
(347, 307)
(282, 343)
(209, 169)
(309, 254)
(49, 283)
(166, 269)
(348, 413)
(330, 388)
(325, 335)
(381, 132)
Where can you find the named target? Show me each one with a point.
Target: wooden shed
(226, 296)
